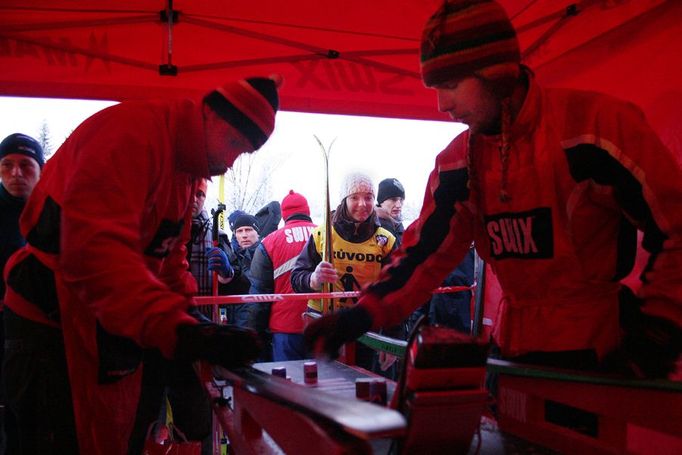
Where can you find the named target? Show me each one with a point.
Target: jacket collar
(529, 115)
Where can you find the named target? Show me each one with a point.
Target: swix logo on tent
(524, 235)
(298, 234)
(339, 75)
(165, 239)
(58, 51)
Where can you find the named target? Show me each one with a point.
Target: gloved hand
(217, 262)
(324, 273)
(226, 345)
(650, 348)
(327, 334)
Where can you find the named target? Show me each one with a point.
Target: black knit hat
(389, 188)
(245, 220)
(249, 105)
(24, 145)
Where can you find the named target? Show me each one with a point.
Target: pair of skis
(328, 252)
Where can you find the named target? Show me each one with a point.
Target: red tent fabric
(347, 57)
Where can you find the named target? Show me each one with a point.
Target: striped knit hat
(469, 37)
(249, 105)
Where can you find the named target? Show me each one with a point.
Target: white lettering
(526, 229)
(493, 231)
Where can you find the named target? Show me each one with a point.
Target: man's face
(19, 174)
(360, 206)
(469, 101)
(246, 236)
(198, 202)
(394, 206)
(223, 143)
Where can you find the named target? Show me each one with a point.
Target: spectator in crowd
(271, 273)
(553, 185)
(253, 315)
(21, 160)
(267, 220)
(360, 247)
(201, 239)
(104, 272)
(390, 200)
(200, 245)
(452, 309)
(230, 219)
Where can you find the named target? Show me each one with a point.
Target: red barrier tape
(251, 298)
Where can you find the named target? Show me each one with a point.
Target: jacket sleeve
(650, 194)
(240, 283)
(305, 266)
(431, 247)
(262, 281)
(102, 256)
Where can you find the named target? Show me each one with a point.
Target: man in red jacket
(552, 185)
(271, 270)
(104, 273)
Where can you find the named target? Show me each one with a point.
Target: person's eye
(450, 85)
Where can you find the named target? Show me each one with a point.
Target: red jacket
(106, 228)
(282, 247)
(585, 171)
(110, 225)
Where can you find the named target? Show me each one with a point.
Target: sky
(291, 159)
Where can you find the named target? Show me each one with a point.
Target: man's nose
(16, 171)
(444, 101)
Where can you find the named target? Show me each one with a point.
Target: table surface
(332, 377)
(338, 379)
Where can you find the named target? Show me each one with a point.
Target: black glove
(649, 349)
(329, 333)
(226, 345)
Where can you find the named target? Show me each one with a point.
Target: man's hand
(217, 262)
(327, 334)
(226, 345)
(324, 273)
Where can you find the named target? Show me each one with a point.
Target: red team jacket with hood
(120, 240)
(283, 247)
(585, 171)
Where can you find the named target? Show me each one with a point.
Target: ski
(328, 252)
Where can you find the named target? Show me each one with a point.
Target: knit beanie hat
(389, 188)
(356, 182)
(24, 145)
(294, 203)
(245, 220)
(232, 217)
(249, 105)
(469, 37)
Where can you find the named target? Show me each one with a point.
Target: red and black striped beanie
(249, 105)
(469, 37)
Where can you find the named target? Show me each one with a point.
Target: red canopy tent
(346, 57)
(356, 57)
